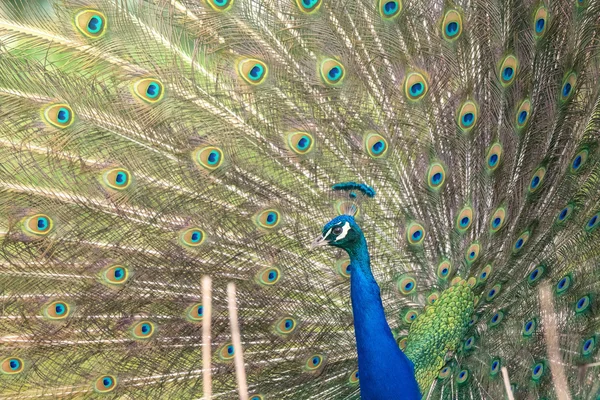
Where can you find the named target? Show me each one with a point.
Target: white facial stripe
(327, 234)
(345, 230)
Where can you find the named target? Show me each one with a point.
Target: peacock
(166, 165)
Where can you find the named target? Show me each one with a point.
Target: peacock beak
(318, 242)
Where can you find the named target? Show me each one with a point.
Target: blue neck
(385, 373)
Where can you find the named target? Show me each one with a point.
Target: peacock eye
(337, 230)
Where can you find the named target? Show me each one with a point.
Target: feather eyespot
(410, 316)
(252, 71)
(593, 222)
(192, 237)
(444, 373)
(523, 114)
(308, 6)
(148, 89)
(105, 384)
(540, 22)
(91, 23)
(568, 87)
(332, 72)
(209, 157)
(496, 319)
(407, 285)
(536, 274)
(268, 219)
(376, 145)
(464, 219)
(588, 346)
(494, 156)
(537, 371)
(467, 116)
(508, 70)
(469, 343)
(493, 293)
(452, 25)
(220, 5)
(257, 397)
(495, 367)
(415, 233)
(579, 160)
(537, 179)
(497, 219)
(38, 224)
(227, 352)
(59, 115)
(143, 330)
(195, 312)
(472, 253)
(402, 343)
(444, 270)
(11, 366)
(57, 310)
(300, 142)
(583, 304)
(115, 275)
(462, 377)
(117, 179)
(353, 378)
(285, 326)
(433, 298)
(436, 176)
(485, 273)
(563, 284)
(529, 328)
(564, 214)
(415, 86)
(314, 362)
(390, 9)
(521, 241)
(269, 276)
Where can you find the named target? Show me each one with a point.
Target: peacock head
(342, 232)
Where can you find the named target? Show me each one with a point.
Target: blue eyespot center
(256, 72)
(495, 365)
(316, 360)
(221, 3)
(592, 221)
(528, 326)
(152, 90)
(42, 223)
(495, 318)
(492, 293)
(14, 364)
(461, 375)
(334, 73)
(533, 274)
(468, 119)
(59, 309)
(496, 222)
(303, 143)
(309, 3)
(522, 117)
(577, 162)
(107, 382)
(472, 254)
(196, 236)
(537, 369)
(288, 324)
(508, 73)
(535, 182)
(464, 221)
(563, 214)
(378, 147)
(452, 28)
(200, 311)
(390, 7)
(119, 273)
(519, 243)
(562, 283)
(213, 157)
(416, 89)
(483, 275)
(408, 286)
(63, 115)
(145, 329)
(582, 302)
(566, 89)
(121, 178)
(445, 271)
(271, 218)
(230, 350)
(539, 25)
(272, 275)
(436, 178)
(493, 160)
(417, 235)
(95, 24)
